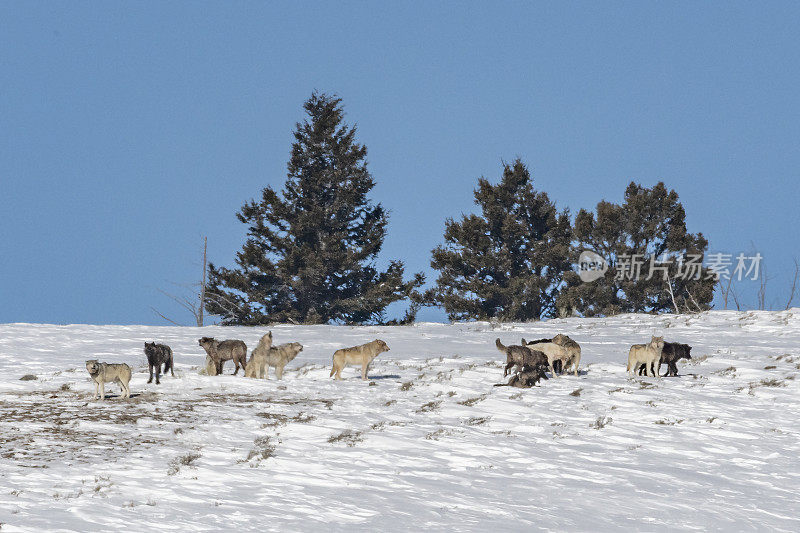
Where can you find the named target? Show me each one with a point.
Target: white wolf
(646, 354)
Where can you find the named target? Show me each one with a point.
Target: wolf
(258, 359)
(103, 373)
(670, 355)
(573, 351)
(561, 361)
(281, 355)
(363, 354)
(647, 354)
(527, 377)
(522, 357)
(157, 355)
(221, 351)
(554, 353)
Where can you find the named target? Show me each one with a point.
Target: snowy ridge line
(427, 442)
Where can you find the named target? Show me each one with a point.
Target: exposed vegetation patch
(601, 422)
(469, 402)
(430, 406)
(184, 460)
(349, 437)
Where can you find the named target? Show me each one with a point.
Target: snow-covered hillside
(427, 443)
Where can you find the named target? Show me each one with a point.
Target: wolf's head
(382, 346)
(92, 366)
(657, 342)
(294, 349)
(687, 351)
(266, 340)
(206, 341)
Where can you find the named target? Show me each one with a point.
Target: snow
(427, 443)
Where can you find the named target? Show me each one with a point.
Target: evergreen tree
(507, 262)
(311, 250)
(650, 225)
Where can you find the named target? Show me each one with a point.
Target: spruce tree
(650, 225)
(311, 250)
(507, 262)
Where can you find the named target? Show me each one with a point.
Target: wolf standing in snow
(568, 353)
(280, 356)
(648, 355)
(256, 366)
(523, 357)
(670, 355)
(221, 351)
(102, 373)
(363, 355)
(157, 355)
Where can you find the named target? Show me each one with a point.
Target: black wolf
(157, 355)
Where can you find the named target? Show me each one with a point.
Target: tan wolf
(572, 348)
(103, 373)
(363, 355)
(553, 351)
(258, 359)
(573, 352)
(281, 355)
(646, 354)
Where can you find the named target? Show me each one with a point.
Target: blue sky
(131, 130)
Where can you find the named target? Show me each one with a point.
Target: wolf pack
(527, 363)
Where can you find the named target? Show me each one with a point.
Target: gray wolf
(258, 359)
(363, 355)
(157, 355)
(670, 355)
(524, 379)
(103, 373)
(221, 351)
(648, 355)
(522, 357)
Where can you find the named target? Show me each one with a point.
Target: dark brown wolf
(524, 379)
(221, 351)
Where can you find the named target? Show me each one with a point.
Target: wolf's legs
(102, 390)
(171, 366)
(364, 370)
(150, 367)
(508, 367)
(96, 390)
(278, 372)
(158, 373)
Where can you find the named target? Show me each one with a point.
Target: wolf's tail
(333, 365)
(500, 346)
